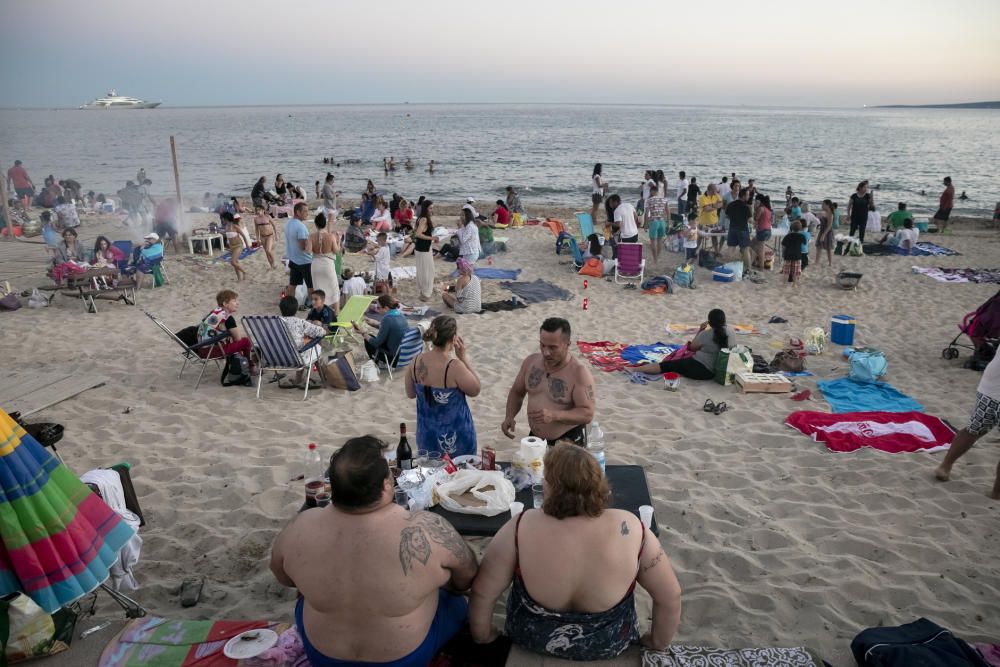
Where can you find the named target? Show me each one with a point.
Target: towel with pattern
(704, 656)
(946, 275)
(680, 329)
(892, 432)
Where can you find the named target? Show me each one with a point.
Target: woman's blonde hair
(575, 484)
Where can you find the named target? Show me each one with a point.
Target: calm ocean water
(547, 151)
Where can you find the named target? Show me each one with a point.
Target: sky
(842, 53)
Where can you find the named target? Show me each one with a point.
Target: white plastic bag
(368, 372)
(37, 299)
(489, 492)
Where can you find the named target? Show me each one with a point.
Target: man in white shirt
(625, 218)
(469, 207)
(381, 257)
(682, 193)
(985, 416)
(353, 286)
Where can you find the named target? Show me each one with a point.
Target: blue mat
(641, 354)
(847, 395)
(490, 273)
(246, 252)
(538, 291)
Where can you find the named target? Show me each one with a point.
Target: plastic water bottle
(313, 459)
(595, 444)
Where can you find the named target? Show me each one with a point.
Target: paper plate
(241, 649)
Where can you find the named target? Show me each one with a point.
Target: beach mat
(704, 656)
(683, 329)
(493, 273)
(849, 395)
(920, 249)
(945, 275)
(226, 256)
(538, 291)
(502, 306)
(892, 432)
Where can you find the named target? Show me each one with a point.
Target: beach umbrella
(58, 539)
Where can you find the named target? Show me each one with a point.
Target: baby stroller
(982, 327)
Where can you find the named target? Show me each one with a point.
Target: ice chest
(723, 275)
(922, 226)
(763, 383)
(842, 330)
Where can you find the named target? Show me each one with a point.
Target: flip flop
(709, 406)
(191, 591)
(720, 408)
(637, 378)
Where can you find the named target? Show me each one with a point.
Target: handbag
(731, 361)
(593, 267)
(340, 373)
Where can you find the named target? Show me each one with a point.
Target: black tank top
(424, 245)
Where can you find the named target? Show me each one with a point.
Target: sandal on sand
(709, 406)
(191, 591)
(720, 408)
(282, 384)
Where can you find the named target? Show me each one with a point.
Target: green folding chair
(352, 313)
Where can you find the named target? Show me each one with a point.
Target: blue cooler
(922, 226)
(842, 330)
(723, 275)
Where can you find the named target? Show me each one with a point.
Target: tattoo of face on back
(413, 546)
(558, 389)
(535, 377)
(414, 540)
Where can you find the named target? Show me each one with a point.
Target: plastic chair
(630, 265)
(586, 225)
(411, 345)
(191, 352)
(352, 313)
(275, 349)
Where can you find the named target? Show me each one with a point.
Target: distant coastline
(963, 105)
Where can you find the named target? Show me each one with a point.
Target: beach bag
(236, 372)
(708, 259)
(480, 492)
(730, 361)
(37, 299)
(922, 642)
(658, 284)
(340, 373)
(592, 266)
(868, 365)
(26, 631)
(789, 361)
(684, 276)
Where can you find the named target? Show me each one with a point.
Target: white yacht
(115, 101)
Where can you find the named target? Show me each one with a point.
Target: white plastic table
(207, 239)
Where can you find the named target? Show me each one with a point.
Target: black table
(629, 491)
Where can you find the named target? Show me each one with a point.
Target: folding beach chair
(352, 313)
(275, 349)
(586, 225)
(411, 345)
(630, 265)
(191, 351)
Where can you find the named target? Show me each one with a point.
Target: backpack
(707, 259)
(922, 642)
(236, 372)
(868, 365)
(684, 278)
(593, 267)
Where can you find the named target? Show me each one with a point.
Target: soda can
(585, 284)
(489, 459)
(586, 303)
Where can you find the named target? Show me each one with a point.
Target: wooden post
(6, 207)
(177, 185)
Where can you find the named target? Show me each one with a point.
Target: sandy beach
(776, 541)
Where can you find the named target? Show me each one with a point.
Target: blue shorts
(763, 235)
(682, 206)
(657, 229)
(452, 613)
(738, 238)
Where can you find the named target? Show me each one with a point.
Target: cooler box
(736, 268)
(842, 330)
(723, 275)
(922, 226)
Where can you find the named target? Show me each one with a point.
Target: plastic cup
(537, 495)
(516, 508)
(401, 498)
(646, 515)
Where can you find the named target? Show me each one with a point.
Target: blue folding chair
(275, 349)
(586, 225)
(411, 345)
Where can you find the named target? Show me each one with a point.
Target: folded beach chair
(191, 348)
(555, 226)
(564, 240)
(353, 312)
(275, 349)
(586, 225)
(411, 345)
(630, 265)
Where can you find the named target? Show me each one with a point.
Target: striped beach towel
(58, 539)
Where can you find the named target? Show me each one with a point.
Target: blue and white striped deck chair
(586, 225)
(275, 349)
(411, 345)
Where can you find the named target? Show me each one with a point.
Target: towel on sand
(945, 275)
(640, 354)
(538, 291)
(704, 656)
(500, 306)
(604, 354)
(226, 256)
(493, 273)
(680, 329)
(849, 395)
(892, 432)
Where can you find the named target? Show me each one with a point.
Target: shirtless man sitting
(372, 577)
(559, 388)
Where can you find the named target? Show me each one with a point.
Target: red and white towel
(892, 432)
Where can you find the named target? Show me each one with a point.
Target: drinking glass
(537, 495)
(322, 499)
(401, 498)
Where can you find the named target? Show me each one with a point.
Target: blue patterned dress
(444, 421)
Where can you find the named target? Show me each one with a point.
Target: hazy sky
(782, 52)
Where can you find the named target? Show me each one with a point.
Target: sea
(547, 152)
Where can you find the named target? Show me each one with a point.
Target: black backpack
(236, 372)
(449, 252)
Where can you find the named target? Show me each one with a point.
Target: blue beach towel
(641, 354)
(491, 273)
(847, 395)
(246, 252)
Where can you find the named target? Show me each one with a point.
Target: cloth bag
(28, 632)
(487, 492)
(922, 642)
(730, 361)
(593, 267)
(340, 373)
(868, 365)
(684, 276)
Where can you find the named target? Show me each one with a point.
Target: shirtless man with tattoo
(559, 388)
(377, 583)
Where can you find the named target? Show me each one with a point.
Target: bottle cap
(312, 445)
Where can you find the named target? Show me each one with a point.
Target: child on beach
(691, 237)
(354, 238)
(264, 226)
(320, 313)
(301, 332)
(792, 253)
(380, 255)
(805, 245)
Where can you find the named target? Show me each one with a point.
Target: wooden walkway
(28, 393)
(23, 262)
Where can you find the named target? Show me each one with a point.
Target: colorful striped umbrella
(58, 539)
